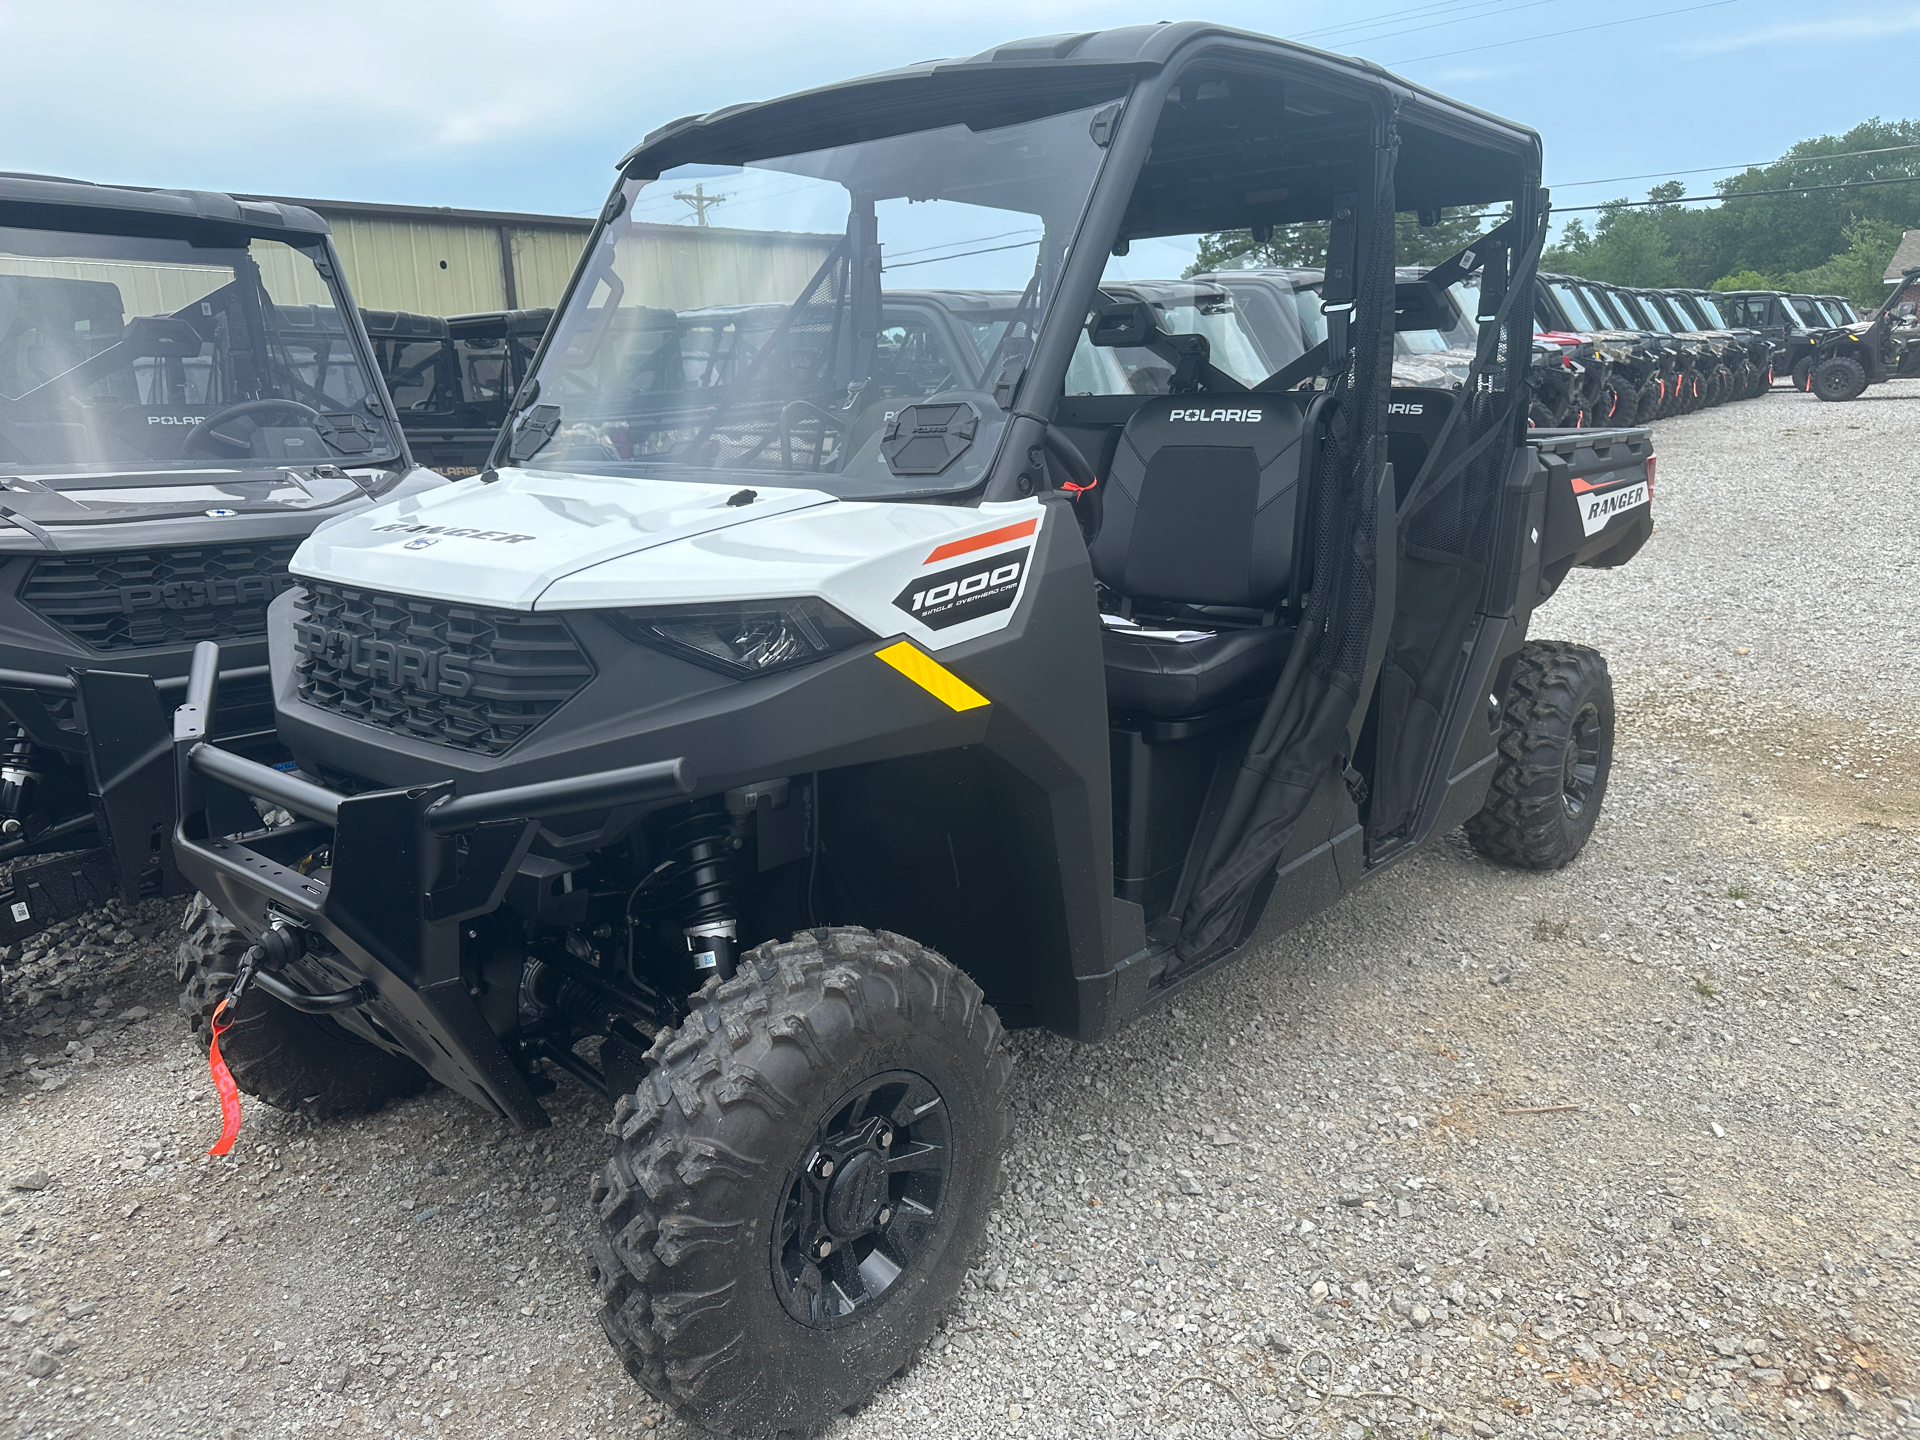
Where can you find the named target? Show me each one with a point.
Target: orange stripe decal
(980, 542)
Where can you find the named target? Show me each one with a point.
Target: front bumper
(114, 732)
(405, 867)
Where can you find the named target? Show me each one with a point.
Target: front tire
(1838, 377)
(798, 1186)
(303, 1064)
(1555, 754)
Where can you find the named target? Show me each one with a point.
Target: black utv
(451, 379)
(1716, 357)
(1789, 321)
(1885, 346)
(1641, 372)
(753, 759)
(1751, 353)
(186, 391)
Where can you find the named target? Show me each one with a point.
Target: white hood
(503, 544)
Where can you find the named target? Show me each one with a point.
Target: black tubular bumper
(123, 836)
(407, 867)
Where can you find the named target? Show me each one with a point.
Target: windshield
(1838, 311)
(1706, 316)
(1747, 311)
(1808, 312)
(1601, 303)
(129, 352)
(1631, 314)
(1665, 314)
(1574, 303)
(772, 319)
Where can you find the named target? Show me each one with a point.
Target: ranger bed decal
(1597, 507)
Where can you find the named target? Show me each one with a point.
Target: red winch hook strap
(223, 1082)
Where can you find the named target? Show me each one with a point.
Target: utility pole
(699, 200)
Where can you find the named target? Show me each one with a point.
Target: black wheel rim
(861, 1205)
(1581, 771)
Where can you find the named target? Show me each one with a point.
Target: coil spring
(700, 842)
(19, 776)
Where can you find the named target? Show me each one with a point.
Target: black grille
(450, 674)
(150, 598)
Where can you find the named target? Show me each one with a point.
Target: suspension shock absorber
(19, 779)
(701, 844)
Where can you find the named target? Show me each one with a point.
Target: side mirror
(1127, 324)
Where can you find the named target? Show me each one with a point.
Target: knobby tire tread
(1523, 822)
(676, 1230)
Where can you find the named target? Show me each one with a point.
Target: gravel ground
(1631, 1148)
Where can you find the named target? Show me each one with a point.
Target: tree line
(1825, 242)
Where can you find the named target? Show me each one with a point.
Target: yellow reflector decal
(933, 677)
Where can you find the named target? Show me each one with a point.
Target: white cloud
(250, 96)
(1835, 29)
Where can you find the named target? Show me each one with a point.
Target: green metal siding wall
(428, 267)
(543, 262)
(451, 267)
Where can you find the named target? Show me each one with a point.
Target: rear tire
(303, 1064)
(1801, 371)
(715, 1198)
(1838, 377)
(1555, 754)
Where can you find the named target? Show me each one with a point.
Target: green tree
(1769, 240)
(1305, 246)
(1856, 271)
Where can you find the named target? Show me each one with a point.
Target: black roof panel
(59, 203)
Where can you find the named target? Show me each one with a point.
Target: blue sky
(494, 105)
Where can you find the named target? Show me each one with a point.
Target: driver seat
(1200, 522)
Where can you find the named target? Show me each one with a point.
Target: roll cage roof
(1451, 154)
(46, 202)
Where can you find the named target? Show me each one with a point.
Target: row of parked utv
(1603, 355)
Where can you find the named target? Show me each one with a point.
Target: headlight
(744, 638)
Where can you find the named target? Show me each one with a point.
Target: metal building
(436, 261)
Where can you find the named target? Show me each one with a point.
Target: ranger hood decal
(503, 544)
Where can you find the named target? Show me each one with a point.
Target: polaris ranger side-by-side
(753, 751)
(185, 392)
(1885, 346)
(452, 379)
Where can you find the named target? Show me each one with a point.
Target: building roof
(1905, 258)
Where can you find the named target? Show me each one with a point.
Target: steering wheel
(206, 432)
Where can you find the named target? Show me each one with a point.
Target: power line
(1412, 13)
(1487, 8)
(1743, 165)
(990, 250)
(1737, 195)
(1561, 34)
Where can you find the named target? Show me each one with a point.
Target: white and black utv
(751, 744)
(185, 392)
